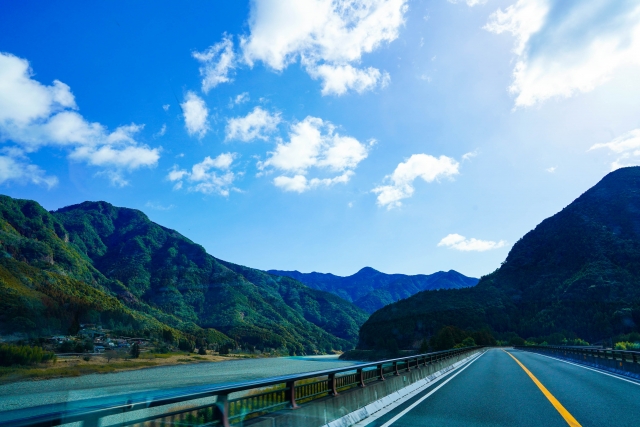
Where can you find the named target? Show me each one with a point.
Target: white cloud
(314, 143)
(461, 243)
(470, 155)
(297, 183)
(338, 79)
(255, 125)
(423, 166)
(563, 48)
(217, 62)
(300, 184)
(627, 148)
(240, 99)
(12, 169)
(469, 3)
(162, 131)
(551, 169)
(195, 115)
(158, 206)
(165, 107)
(203, 178)
(33, 116)
(327, 36)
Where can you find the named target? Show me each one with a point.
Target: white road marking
(433, 378)
(417, 402)
(588, 367)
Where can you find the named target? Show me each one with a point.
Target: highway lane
(495, 391)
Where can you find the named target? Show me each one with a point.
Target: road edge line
(590, 368)
(372, 412)
(417, 402)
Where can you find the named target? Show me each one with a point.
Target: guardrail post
(222, 407)
(381, 372)
(360, 378)
(408, 365)
(333, 390)
(290, 394)
(395, 368)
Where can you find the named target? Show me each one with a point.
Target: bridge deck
(495, 391)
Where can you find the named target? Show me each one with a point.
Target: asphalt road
(494, 390)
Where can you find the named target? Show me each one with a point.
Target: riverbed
(25, 394)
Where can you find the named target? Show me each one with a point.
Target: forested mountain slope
(47, 286)
(371, 290)
(97, 262)
(577, 272)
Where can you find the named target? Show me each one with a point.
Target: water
(26, 394)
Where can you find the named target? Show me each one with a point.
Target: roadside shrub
(625, 345)
(202, 351)
(23, 355)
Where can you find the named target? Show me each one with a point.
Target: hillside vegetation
(576, 274)
(98, 263)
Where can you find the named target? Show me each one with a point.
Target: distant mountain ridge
(371, 289)
(98, 263)
(577, 274)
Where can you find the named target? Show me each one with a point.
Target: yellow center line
(565, 414)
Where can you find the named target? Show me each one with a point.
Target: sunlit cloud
(216, 64)
(211, 176)
(258, 124)
(626, 147)
(314, 144)
(423, 166)
(563, 48)
(328, 38)
(33, 115)
(195, 114)
(461, 243)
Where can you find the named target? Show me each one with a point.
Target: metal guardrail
(596, 353)
(258, 397)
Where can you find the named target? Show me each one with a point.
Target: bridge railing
(222, 405)
(625, 356)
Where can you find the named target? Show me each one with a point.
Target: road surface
(495, 390)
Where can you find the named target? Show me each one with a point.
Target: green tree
(468, 342)
(135, 351)
(424, 346)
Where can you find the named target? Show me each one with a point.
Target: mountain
(46, 284)
(371, 290)
(577, 273)
(125, 270)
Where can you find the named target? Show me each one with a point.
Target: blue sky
(318, 135)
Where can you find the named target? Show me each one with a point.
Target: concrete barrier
(353, 405)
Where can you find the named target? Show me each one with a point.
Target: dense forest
(371, 290)
(575, 276)
(97, 263)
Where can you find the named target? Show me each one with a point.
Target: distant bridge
(523, 386)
